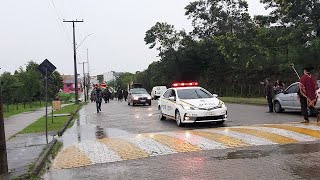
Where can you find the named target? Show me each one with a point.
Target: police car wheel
(161, 117)
(178, 119)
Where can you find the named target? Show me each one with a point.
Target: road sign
(46, 68)
(46, 65)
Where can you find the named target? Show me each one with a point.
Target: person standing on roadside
(125, 95)
(120, 95)
(269, 94)
(307, 92)
(98, 97)
(278, 87)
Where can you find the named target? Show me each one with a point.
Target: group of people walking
(272, 89)
(306, 93)
(98, 94)
(122, 95)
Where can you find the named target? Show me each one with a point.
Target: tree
(227, 48)
(217, 17)
(164, 35)
(10, 84)
(302, 15)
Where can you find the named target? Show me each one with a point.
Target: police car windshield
(139, 91)
(193, 94)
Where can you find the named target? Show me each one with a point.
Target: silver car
(289, 99)
(139, 96)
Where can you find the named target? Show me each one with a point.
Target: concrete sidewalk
(24, 149)
(17, 123)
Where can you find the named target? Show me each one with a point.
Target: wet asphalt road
(294, 161)
(118, 118)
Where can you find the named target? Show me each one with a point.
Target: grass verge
(14, 109)
(58, 122)
(65, 97)
(239, 100)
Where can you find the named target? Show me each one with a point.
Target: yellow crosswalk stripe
(173, 143)
(300, 130)
(124, 149)
(220, 138)
(71, 157)
(266, 135)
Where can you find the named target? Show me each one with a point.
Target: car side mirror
(172, 98)
(215, 95)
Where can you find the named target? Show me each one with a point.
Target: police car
(189, 103)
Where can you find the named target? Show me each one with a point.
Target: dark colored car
(139, 96)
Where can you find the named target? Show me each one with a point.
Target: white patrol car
(189, 103)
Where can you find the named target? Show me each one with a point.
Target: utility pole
(84, 81)
(3, 148)
(88, 83)
(75, 59)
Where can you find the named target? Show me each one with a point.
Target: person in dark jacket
(107, 96)
(120, 95)
(269, 94)
(98, 97)
(125, 95)
(307, 92)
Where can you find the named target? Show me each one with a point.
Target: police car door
(171, 103)
(164, 101)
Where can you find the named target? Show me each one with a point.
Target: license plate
(142, 100)
(211, 114)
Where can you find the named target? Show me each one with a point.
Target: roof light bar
(185, 84)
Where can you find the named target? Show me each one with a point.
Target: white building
(109, 77)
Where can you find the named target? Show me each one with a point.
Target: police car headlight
(149, 97)
(221, 104)
(189, 107)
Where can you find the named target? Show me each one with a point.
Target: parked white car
(157, 91)
(187, 104)
(289, 99)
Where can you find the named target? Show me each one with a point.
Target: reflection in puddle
(100, 134)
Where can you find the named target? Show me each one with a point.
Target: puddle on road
(244, 154)
(276, 149)
(88, 127)
(100, 134)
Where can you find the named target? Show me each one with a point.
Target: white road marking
(286, 133)
(250, 139)
(152, 147)
(98, 152)
(201, 142)
(309, 126)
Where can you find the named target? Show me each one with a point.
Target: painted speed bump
(139, 146)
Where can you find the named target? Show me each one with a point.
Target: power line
(60, 24)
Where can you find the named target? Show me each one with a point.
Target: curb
(64, 128)
(40, 162)
(42, 159)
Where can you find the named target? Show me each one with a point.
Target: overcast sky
(113, 32)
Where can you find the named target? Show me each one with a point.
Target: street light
(84, 40)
